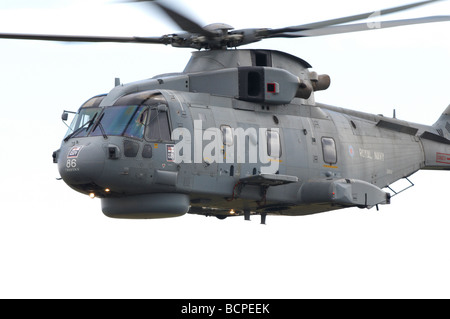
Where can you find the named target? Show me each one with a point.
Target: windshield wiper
(78, 130)
(99, 124)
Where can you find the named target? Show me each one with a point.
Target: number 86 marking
(71, 163)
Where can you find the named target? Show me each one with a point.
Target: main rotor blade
(83, 38)
(327, 23)
(181, 20)
(360, 27)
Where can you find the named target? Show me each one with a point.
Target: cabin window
(273, 144)
(329, 150)
(227, 135)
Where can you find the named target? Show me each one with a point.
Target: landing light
(92, 195)
(232, 212)
(107, 190)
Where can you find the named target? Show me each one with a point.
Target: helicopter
(239, 132)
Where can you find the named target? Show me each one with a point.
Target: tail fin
(436, 144)
(443, 124)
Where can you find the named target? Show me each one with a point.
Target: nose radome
(81, 164)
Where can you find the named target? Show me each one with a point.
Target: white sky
(56, 243)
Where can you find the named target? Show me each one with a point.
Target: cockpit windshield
(82, 121)
(114, 120)
(143, 122)
(144, 115)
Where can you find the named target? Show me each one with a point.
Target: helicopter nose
(81, 164)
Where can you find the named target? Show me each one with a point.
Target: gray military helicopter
(239, 132)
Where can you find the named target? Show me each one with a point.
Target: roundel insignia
(351, 151)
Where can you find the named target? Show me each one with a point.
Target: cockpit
(143, 116)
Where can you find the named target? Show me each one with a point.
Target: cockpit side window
(158, 128)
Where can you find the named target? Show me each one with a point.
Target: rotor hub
(213, 27)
